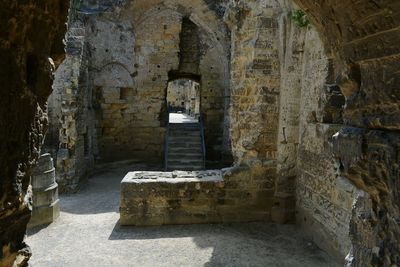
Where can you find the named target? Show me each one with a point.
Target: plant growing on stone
(300, 18)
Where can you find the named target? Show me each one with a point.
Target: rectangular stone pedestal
(179, 197)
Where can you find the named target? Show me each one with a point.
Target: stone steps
(186, 134)
(185, 147)
(184, 139)
(185, 150)
(185, 144)
(185, 161)
(184, 126)
(188, 156)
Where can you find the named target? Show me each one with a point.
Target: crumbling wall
(291, 57)
(130, 50)
(287, 91)
(177, 94)
(363, 39)
(255, 82)
(184, 95)
(306, 166)
(73, 117)
(255, 93)
(284, 112)
(194, 46)
(30, 33)
(133, 106)
(308, 100)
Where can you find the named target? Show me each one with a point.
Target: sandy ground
(87, 234)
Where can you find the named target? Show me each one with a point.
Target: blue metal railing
(203, 141)
(166, 145)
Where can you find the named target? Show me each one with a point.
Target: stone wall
(130, 86)
(255, 90)
(283, 108)
(184, 95)
(73, 117)
(363, 39)
(30, 33)
(255, 81)
(126, 54)
(286, 93)
(166, 41)
(324, 200)
(306, 109)
(177, 93)
(292, 42)
(291, 89)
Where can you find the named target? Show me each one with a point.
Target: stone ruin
(46, 205)
(299, 101)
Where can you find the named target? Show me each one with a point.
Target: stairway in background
(184, 147)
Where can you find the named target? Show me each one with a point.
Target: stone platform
(178, 197)
(189, 197)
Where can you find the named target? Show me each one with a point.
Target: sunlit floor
(87, 234)
(181, 118)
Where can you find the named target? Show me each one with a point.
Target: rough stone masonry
(302, 95)
(287, 90)
(30, 33)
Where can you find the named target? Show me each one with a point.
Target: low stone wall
(156, 198)
(179, 197)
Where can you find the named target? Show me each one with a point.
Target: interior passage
(181, 118)
(87, 234)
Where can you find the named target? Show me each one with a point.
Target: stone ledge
(190, 197)
(178, 197)
(173, 177)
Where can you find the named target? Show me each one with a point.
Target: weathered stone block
(180, 197)
(170, 197)
(46, 207)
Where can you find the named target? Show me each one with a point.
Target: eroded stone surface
(173, 177)
(363, 41)
(274, 93)
(30, 34)
(179, 197)
(45, 204)
(113, 85)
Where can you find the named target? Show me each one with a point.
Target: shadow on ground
(102, 191)
(87, 234)
(238, 244)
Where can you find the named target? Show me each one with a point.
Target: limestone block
(155, 198)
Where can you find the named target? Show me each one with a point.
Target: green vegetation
(300, 18)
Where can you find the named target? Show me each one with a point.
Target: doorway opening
(183, 101)
(184, 145)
